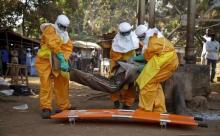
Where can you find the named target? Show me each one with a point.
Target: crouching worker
(52, 66)
(162, 62)
(123, 48)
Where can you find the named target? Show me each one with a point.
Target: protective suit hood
(124, 44)
(149, 32)
(63, 20)
(124, 27)
(141, 29)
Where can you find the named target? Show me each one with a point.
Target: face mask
(142, 37)
(125, 33)
(128, 37)
(125, 38)
(61, 31)
(62, 27)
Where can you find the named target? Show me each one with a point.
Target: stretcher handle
(203, 125)
(198, 118)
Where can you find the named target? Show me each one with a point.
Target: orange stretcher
(136, 115)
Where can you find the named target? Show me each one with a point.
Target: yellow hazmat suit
(126, 95)
(51, 42)
(162, 62)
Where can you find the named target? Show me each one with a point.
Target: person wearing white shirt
(79, 58)
(212, 52)
(206, 38)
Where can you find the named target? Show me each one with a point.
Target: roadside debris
(21, 107)
(8, 92)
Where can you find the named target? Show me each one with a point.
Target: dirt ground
(29, 123)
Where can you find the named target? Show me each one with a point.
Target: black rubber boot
(126, 107)
(116, 104)
(45, 114)
(71, 108)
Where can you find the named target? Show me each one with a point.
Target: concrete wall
(189, 87)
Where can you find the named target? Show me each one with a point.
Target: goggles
(125, 33)
(62, 27)
(142, 37)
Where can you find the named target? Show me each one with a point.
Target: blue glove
(64, 66)
(139, 58)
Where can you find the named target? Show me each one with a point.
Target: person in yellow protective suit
(123, 47)
(162, 62)
(56, 46)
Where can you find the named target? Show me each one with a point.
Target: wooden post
(21, 43)
(152, 13)
(141, 11)
(32, 46)
(190, 55)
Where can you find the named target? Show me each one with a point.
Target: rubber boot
(116, 104)
(45, 114)
(126, 107)
(71, 108)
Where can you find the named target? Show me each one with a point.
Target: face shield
(62, 27)
(125, 29)
(141, 32)
(62, 23)
(142, 37)
(125, 33)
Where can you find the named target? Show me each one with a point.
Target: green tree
(91, 18)
(10, 13)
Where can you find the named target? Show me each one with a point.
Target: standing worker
(28, 60)
(206, 38)
(5, 59)
(55, 43)
(123, 48)
(212, 52)
(162, 62)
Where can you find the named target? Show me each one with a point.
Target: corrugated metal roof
(84, 44)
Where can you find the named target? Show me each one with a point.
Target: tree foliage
(10, 13)
(90, 18)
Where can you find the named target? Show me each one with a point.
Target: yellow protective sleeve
(116, 56)
(152, 68)
(67, 49)
(159, 51)
(51, 40)
(156, 46)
